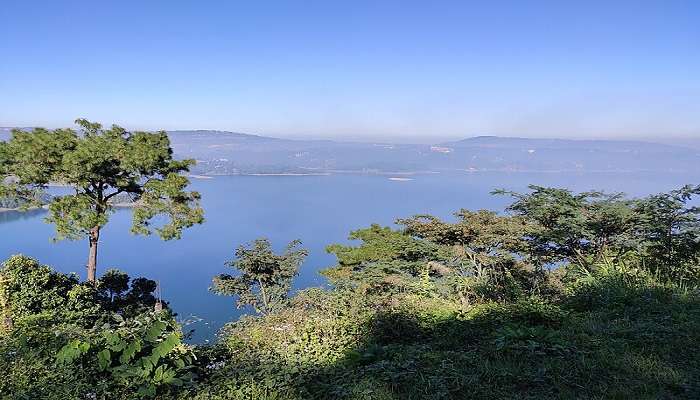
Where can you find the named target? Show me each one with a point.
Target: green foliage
(264, 278)
(482, 250)
(478, 232)
(380, 244)
(661, 231)
(100, 164)
(670, 228)
(571, 226)
(385, 260)
(138, 357)
(114, 283)
(119, 293)
(474, 259)
(30, 289)
(341, 345)
(74, 216)
(65, 339)
(167, 197)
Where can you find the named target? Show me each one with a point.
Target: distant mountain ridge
(230, 153)
(504, 141)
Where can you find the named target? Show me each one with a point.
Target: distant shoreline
(285, 174)
(22, 209)
(46, 207)
(446, 171)
(200, 176)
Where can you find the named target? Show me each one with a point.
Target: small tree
(480, 236)
(575, 227)
(484, 251)
(100, 164)
(264, 278)
(669, 225)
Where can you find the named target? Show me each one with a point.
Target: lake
(319, 210)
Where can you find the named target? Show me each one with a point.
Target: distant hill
(236, 153)
(512, 142)
(227, 153)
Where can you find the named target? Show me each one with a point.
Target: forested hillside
(562, 295)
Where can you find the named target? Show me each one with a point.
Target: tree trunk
(264, 297)
(94, 238)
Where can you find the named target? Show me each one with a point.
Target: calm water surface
(319, 210)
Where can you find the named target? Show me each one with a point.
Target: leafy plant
(670, 230)
(144, 355)
(264, 278)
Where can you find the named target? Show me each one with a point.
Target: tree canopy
(99, 164)
(264, 278)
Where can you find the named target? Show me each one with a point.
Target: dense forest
(562, 295)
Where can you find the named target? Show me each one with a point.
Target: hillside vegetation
(565, 295)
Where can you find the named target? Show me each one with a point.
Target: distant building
(439, 149)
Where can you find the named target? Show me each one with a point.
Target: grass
(612, 337)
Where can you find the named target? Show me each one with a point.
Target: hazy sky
(356, 69)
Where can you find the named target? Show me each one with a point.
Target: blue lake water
(319, 210)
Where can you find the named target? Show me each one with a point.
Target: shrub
(66, 339)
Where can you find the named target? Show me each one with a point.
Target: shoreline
(200, 176)
(446, 171)
(44, 207)
(284, 174)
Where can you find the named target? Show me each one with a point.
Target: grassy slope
(613, 337)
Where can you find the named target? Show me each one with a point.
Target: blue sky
(356, 69)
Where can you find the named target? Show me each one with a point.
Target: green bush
(63, 339)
